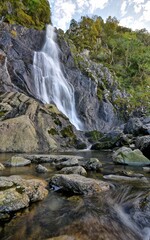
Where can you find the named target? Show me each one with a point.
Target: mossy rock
(28, 13)
(58, 122)
(80, 144)
(102, 145)
(93, 136)
(128, 157)
(2, 113)
(53, 131)
(68, 132)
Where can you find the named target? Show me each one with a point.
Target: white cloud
(123, 8)
(80, 3)
(62, 13)
(95, 4)
(64, 10)
(137, 8)
(146, 11)
(137, 2)
(132, 23)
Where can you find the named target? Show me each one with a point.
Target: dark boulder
(136, 127)
(143, 143)
(109, 140)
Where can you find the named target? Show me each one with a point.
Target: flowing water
(50, 84)
(122, 213)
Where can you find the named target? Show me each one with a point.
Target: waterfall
(50, 84)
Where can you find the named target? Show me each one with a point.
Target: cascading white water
(50, 84)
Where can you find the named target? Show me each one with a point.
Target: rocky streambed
(73, 196)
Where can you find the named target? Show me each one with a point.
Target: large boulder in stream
(17, 161)
(74, 170)
(77, 184)
(127, 156)
(17, 193)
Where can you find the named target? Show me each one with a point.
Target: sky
(134, 14)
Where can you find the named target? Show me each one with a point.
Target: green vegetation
(2, 113)
(28, 13)
(67, 132)
(125, 52)
(53, 131)
(93, 136)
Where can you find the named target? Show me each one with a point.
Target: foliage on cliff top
(28, 13)
(125, 52)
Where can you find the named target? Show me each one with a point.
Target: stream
(122, 213)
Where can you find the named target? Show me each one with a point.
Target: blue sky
(134, 14)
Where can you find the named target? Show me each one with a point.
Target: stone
(17, 161)
(68, 163)
(74, 170)
(12, 200)
(29, 122)
(18, 135)
(143, 143)
(146, 169)
(49, 158)
(130, 174)
(134, 126)
(108, 141)
(2, 167)
(126, 178)
(5, 80)
(41, 169)
(77, 184)
(128, 156)
(17, 193)
(64, 237)
(91, 164)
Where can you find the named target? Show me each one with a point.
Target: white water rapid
(50, 84)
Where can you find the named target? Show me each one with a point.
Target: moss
(99, 94)
(93, 136)
(67, 132)
(58, 122)
(13, 33)
(53, 131)
(2, 113)
(102, 145)
(29, 13)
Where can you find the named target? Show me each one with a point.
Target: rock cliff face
(29, 126)
(17, 46)
(95, 89)
(25, 118)
(26, 125)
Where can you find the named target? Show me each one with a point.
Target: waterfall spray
(50, 84)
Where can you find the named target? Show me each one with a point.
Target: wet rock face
(96, 113)
(5, 81)
(19, 43)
